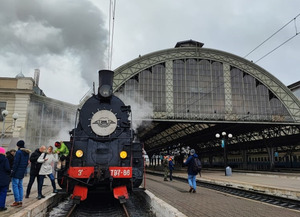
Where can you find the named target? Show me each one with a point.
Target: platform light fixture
(4, 113)
(224, 137)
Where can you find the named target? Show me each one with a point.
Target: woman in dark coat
(10, 155)
(4, 181)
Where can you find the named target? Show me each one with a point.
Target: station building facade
(195, 93)
(295, 88)
(40, 120)
(180, 98)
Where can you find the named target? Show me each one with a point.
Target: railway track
(70, 212)
(253, 195)
(105, 205)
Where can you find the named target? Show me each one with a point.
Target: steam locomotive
(103, 153)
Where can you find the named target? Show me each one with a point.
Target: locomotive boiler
(103, 153)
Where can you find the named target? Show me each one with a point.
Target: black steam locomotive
(103, 154)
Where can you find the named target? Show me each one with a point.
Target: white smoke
(141, 110)
(63, 134)
(67, 40)
(46, 127)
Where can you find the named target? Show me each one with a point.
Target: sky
(68, 40)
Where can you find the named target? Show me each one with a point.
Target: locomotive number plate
(121, 172)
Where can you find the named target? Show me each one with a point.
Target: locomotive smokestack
(105, 89)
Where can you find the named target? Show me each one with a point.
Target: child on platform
(63, 152)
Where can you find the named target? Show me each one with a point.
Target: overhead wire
(297, 33)
(109, 29)
(222, 83)
(112, 12)
(112, 33)
(273, 35)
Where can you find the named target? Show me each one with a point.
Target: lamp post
(15, 116)
(223, 145)
(4, 113)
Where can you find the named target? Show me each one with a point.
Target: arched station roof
(194, 90)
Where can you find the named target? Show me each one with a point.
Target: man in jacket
(4, 180)
(18, 171)
(166, 167)
(191, 174)
(171, 168)
(34, 168)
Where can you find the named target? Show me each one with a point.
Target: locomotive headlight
(105, 90)
(123, 154)
(79, 153)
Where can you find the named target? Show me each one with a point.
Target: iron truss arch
(169, 132)
(134, 67)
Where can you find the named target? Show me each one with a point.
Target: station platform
(205, 202)
(31, 206)
(208, 202)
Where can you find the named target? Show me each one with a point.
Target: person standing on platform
(34, 168)
(10, 155)
(171, 168)
(4, 178)
(47, 159)
(18, 171)
(63, 152)
(191, 172)
(166, 168)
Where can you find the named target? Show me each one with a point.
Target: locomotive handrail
(78, 180)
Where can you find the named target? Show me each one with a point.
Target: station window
(287, 159)
(2, 107)
(295, 158)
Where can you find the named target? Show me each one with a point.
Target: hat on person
(2, 150)
(192, 151)
(20, 144)
(57, 144)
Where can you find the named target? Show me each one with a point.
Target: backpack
(165, 163)
(196, 165)
(39, 165)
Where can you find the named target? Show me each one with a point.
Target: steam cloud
(140, 109)
(65, 37)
